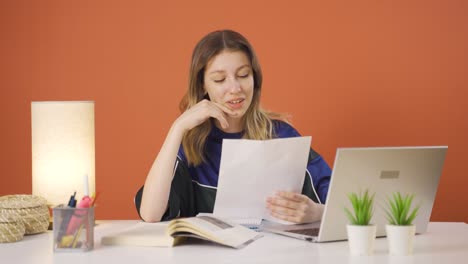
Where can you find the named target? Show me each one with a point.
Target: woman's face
(229, 81)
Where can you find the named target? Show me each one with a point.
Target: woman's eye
(244, 75)
(219, 80)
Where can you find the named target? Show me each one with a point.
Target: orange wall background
(351, 73)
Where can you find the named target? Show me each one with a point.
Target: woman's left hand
(294, 207)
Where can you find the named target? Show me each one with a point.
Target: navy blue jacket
(193, 188)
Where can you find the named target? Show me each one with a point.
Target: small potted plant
(361, 234)
(400, 229)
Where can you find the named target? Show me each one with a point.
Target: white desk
(443, 243)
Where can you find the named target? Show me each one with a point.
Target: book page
(238, 221)
(252, 170)
(213, 229)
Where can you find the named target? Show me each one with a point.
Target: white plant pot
(400, 239)
(361, 239)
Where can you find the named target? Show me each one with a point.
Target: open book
(167, 234)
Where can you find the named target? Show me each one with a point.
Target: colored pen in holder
(79, 216)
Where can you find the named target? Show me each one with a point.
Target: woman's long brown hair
(257, 122)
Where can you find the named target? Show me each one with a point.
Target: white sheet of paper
(252, 170)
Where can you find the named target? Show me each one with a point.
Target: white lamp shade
(62, 149)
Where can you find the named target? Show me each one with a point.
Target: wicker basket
(11, 230)
(31, 209)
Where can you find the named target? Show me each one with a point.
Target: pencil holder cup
(73, 229)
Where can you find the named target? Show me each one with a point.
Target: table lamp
(63, 155)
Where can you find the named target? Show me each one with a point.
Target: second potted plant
(361, 234)
(400, 230)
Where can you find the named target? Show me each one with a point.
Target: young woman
(222, 101)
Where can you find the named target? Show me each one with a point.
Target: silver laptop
(409, 170)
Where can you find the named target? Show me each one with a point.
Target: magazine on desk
(168, 234)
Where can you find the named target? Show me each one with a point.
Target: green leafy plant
(398, 212)
(362, 208)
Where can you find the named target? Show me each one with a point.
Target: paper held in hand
(167, 234)
(252, 170)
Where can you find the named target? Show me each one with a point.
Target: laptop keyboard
(307, 231)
